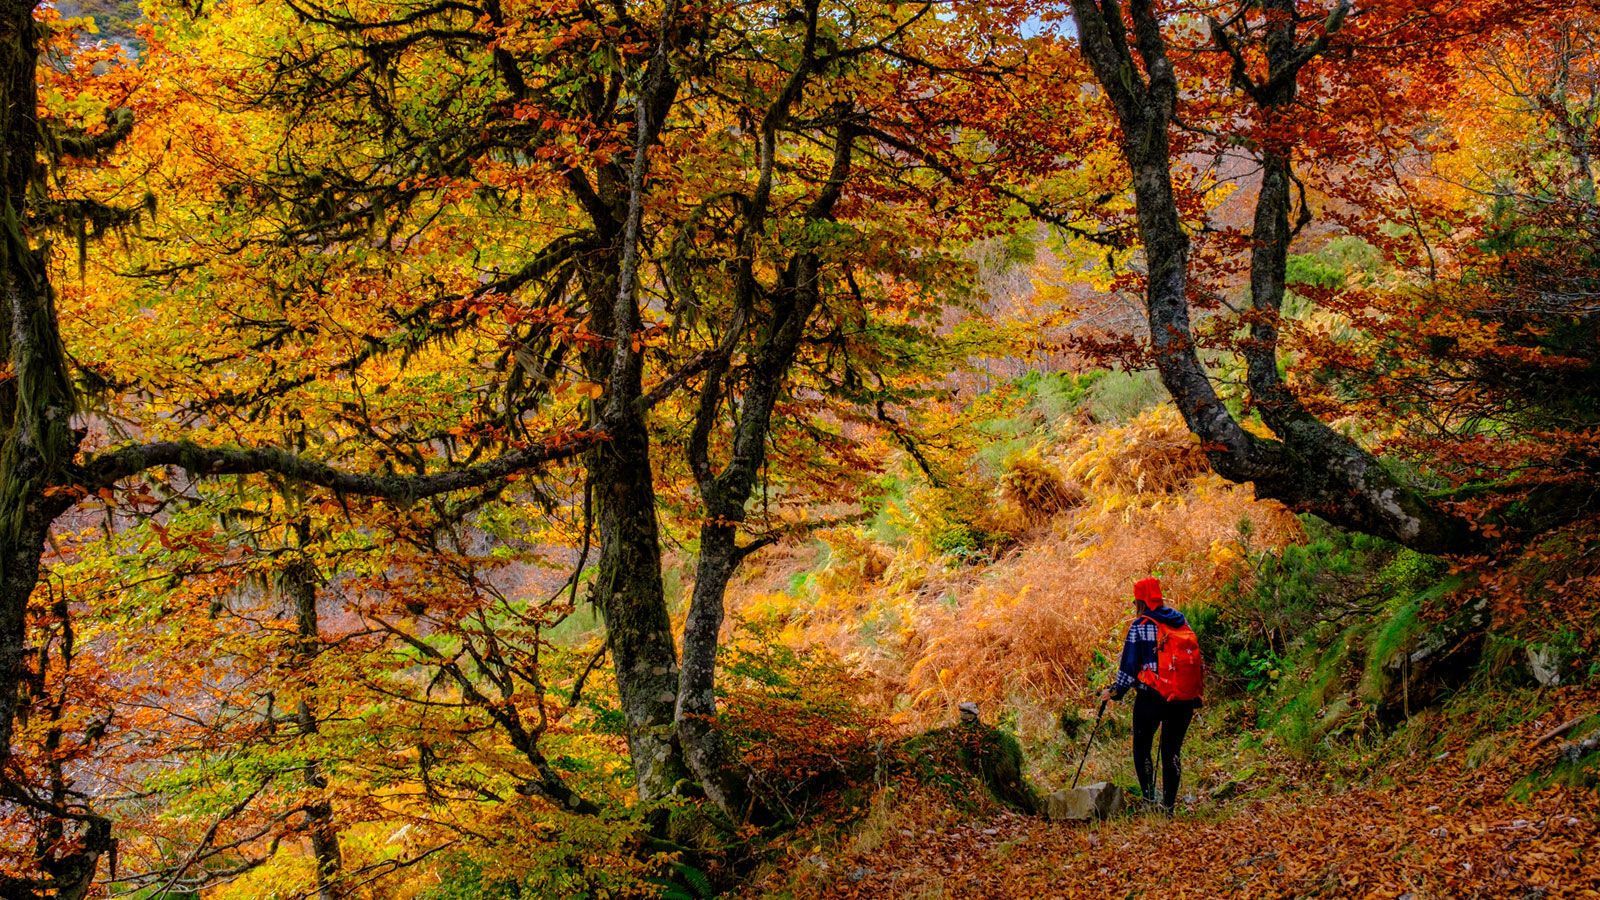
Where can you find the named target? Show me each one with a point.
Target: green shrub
(1120, 396)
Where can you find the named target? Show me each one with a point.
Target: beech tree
(499, 123)
(1161, 75)
(780, 125)
(42, 473)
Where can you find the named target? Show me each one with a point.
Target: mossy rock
(1428, 663)
(953, 757)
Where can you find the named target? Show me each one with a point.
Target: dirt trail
(1355, 844)
(1446, 831)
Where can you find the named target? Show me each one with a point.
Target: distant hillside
(116, 19)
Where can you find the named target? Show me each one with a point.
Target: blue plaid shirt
(1138, 654)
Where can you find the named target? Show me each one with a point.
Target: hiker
(1161, 662)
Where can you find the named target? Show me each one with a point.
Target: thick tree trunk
(1310, 467)
(628, 589)
(36, 406)
(35, 395)
(629, 593)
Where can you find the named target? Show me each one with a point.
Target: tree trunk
(628, 588)
(35, 394)
(696, 713)
(1311, 467)
(725, 496)
(36, 406)
(629, 594)
(300, 582)
(727, 492)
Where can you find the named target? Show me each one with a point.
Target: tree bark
(300, 582)
(629, 594)
(36, 400)
(725, 493)
(725, 496)
(628, 588)
(36, 406)
(1310, 467)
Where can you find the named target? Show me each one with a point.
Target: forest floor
(1435, 821)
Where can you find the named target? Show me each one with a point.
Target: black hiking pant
(1150, 712)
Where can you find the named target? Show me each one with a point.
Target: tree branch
(108, 468)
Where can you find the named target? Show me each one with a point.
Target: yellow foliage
(1036, 488)
(1153, 454)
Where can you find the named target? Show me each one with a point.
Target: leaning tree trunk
(1310, 467)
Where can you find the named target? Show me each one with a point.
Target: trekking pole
(1086, 747)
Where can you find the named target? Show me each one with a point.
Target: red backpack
(1180, 671)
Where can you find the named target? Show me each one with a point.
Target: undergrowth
(1338, 661)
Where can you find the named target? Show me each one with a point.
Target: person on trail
(1161, 662)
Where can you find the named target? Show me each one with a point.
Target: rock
(992, 754)
(969, 712)
(1544, 661)
(1439, 659)
(1577, 750)
(859, 873)
(1100, 800)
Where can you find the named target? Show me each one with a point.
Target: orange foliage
(1023, 630)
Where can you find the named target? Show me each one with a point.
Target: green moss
(1303, 718)
(1397, 629)
(960, 758)
(1393, 634)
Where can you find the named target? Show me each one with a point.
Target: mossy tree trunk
(627, 588)
(36, 401)
(36, 459)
